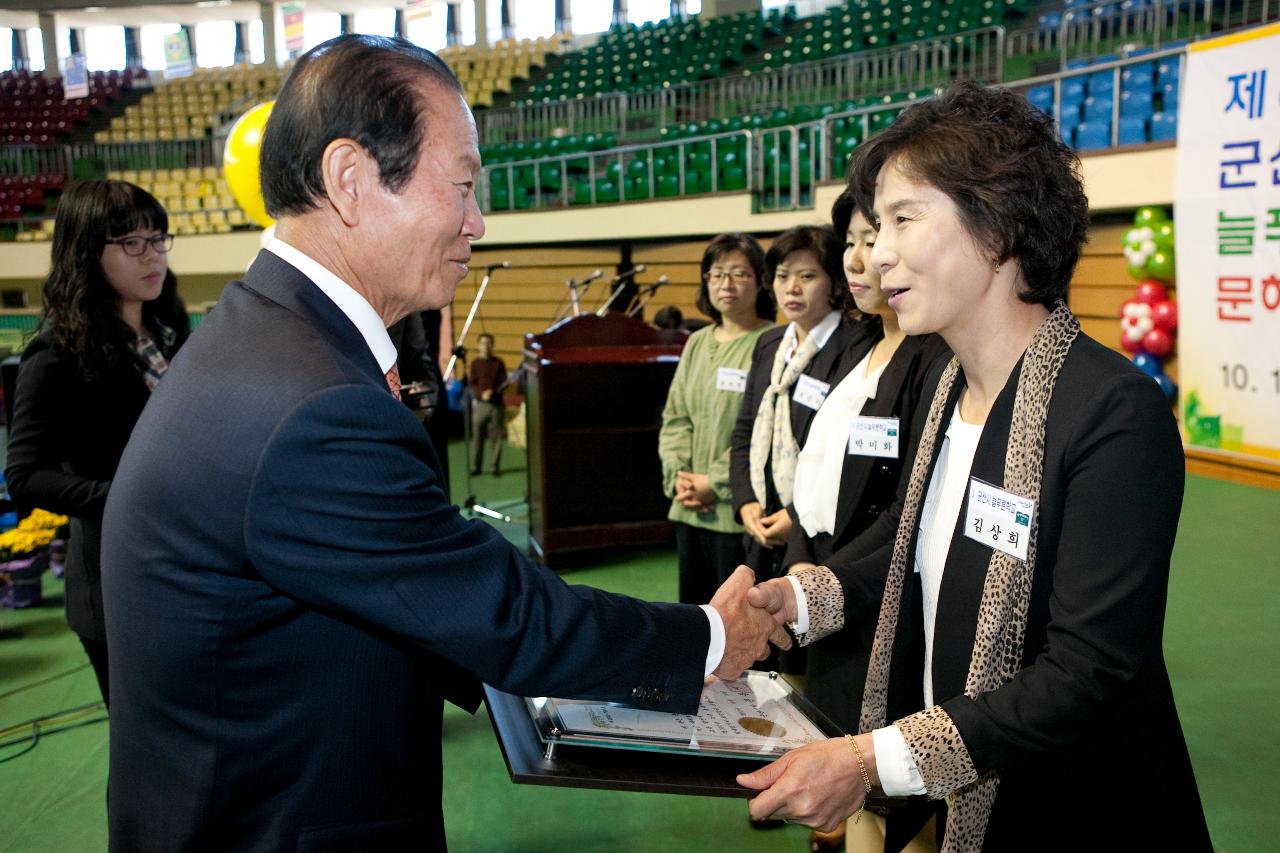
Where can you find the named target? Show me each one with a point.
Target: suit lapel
(283, 284)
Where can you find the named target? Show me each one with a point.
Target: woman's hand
(818, 785)
(776, 528)
(693, 491)
(751, 514)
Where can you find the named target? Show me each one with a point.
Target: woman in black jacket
(112, 320)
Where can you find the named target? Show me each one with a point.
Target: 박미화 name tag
(999, 519)
(809, 391)
(731, 379)
(870, 436)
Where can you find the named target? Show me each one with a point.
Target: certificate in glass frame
(760, 716)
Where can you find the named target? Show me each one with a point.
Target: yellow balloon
(240, 162)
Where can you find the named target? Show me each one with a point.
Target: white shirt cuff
(715, 649)
(800, 627)
(899, 776)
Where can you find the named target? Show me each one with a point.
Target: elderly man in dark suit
(290, 594)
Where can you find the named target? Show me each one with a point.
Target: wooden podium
(596, 388)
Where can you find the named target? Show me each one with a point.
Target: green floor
(1220, 643)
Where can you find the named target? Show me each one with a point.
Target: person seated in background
(112, 320)
(487, 377)
(668, 317)
(1017, 690)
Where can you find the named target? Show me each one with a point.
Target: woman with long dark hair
(112, 320)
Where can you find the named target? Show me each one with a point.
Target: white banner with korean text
(1227, 210)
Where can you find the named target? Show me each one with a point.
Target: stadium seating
(193, 107)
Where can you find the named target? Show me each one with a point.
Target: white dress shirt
(371, 328)
(821, 333)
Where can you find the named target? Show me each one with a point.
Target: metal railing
(975, 54)
(1116, 70)
(95, 160)
(1115, 26)
(568, 169)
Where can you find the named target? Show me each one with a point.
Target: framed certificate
(760, 716)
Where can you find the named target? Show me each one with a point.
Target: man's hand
(818, 785)
(776, 528)
(751, 514)
(777, 598)
(748, 630)
(486, 395)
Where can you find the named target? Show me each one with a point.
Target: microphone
(636, 270)
(653, 288)
(503, 265)
(595, 275)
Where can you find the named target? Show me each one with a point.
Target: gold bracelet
(862, 769)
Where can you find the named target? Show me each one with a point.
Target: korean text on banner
(1227, 207)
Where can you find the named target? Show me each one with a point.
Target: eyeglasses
(136, 246)
(719, 276)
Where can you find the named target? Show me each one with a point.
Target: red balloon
(1151, 292)
(1165, 315)
(1129, 344)
(1157, 343)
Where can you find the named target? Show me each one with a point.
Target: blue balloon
(1166, 385)
(1148, 364)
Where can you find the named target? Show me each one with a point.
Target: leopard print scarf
(931, 736)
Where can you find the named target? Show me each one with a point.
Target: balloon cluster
(1148, 320)
(240, 162)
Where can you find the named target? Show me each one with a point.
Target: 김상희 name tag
(870, 436)
(809, 391)
(998, 519)
(731, 379)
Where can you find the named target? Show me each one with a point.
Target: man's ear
(345, 165)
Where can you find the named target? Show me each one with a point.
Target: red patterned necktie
(393, 380)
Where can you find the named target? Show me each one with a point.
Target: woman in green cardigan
(702, 405)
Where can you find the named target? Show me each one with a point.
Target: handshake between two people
(822, 783)
(754, 616)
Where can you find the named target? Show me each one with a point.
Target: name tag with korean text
(731, 379)
(809, 391)
(998, 519)
(870, 436)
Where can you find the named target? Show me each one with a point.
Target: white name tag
(731, 379)
(809, 391)
(874, 437)
(998, 519)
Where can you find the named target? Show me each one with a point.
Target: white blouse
(821, 460)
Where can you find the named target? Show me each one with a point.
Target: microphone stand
(460, 351)
(638, 302)
(621, 282)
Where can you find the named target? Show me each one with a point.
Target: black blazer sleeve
(344, 516)
(1109, 577)
(740, 440)
(44, 412)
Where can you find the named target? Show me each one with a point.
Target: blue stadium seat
(1136, 105)
(1138, 78)
(1102, 83)
(1042, 97)
(1090, 136)
(1132, 131)
(1098, 108)
(1168, 69)
(1164, 127)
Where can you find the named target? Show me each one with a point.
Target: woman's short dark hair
(754, 253)
(81, 308)
(826, 246)
(360, 87)
(1016, 185)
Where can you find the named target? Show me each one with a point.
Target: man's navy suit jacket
(289, 595)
